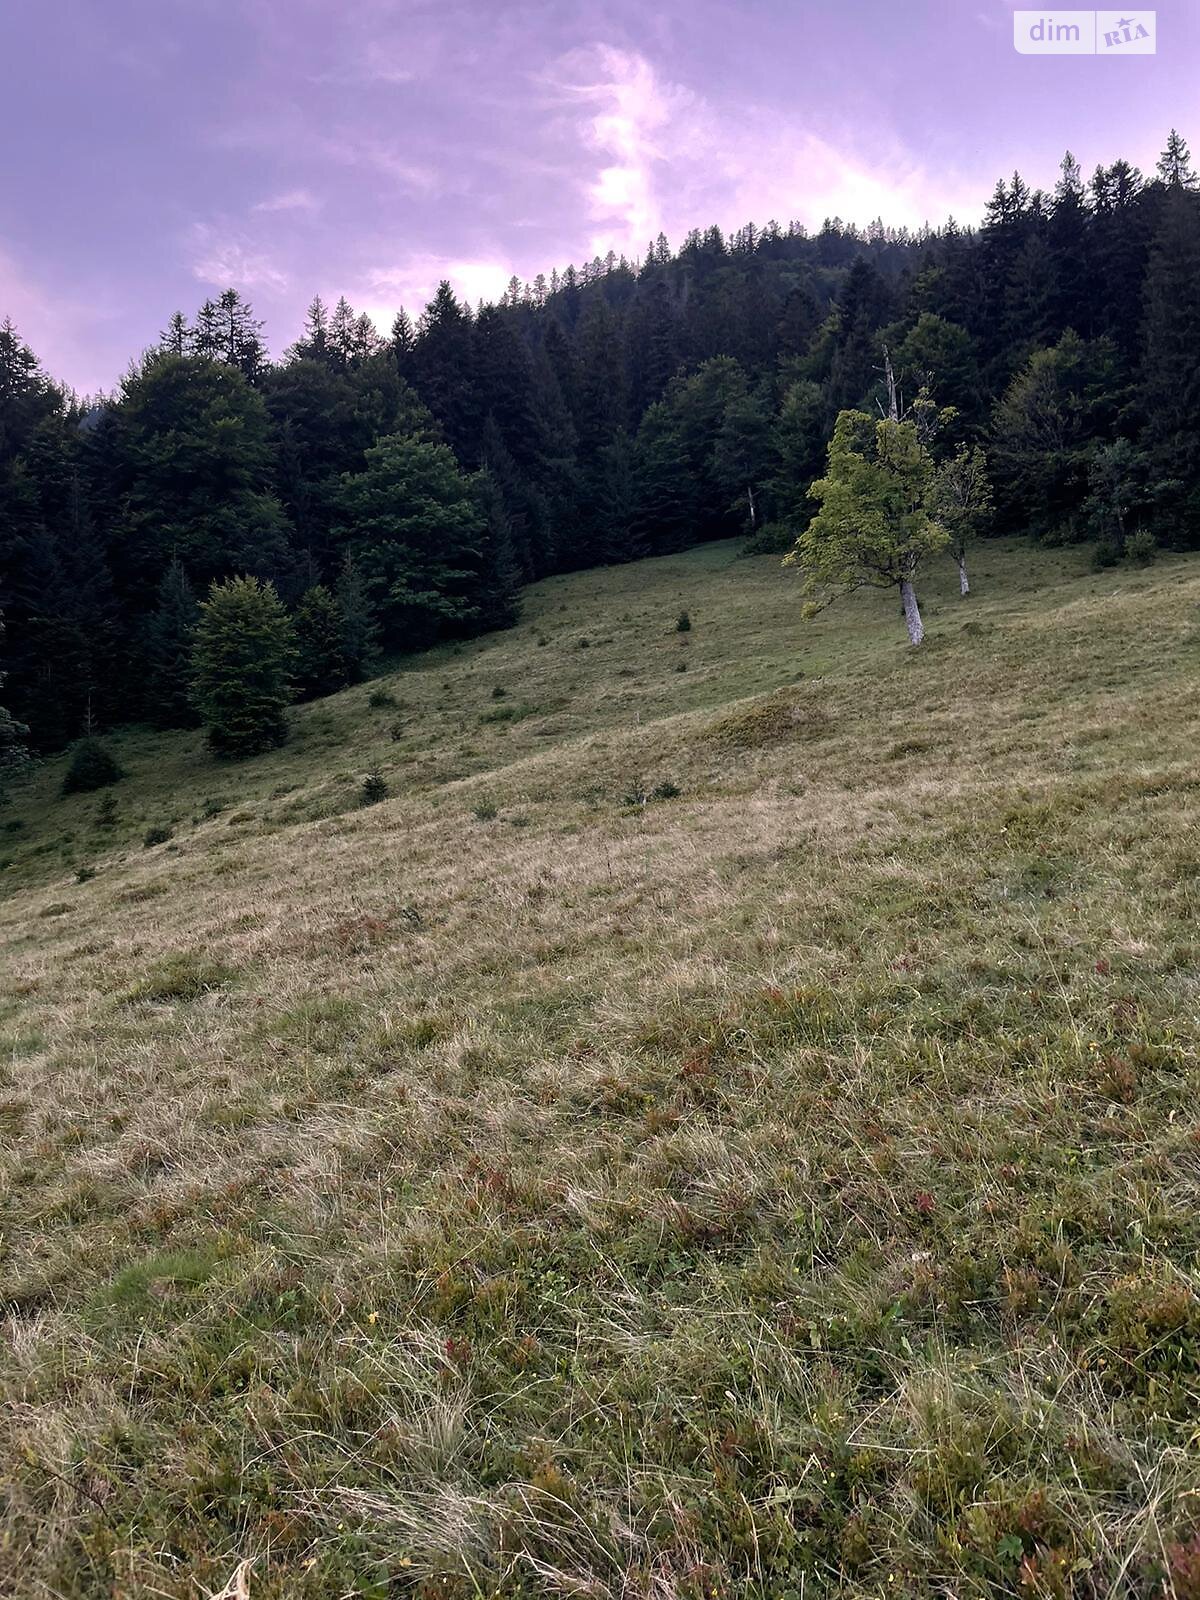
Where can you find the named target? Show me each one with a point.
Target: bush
(85, 874)
(157, 835)
(683, 623)
(106, 812)
(91, 767)
(1105, 554)
(772, 539)
(381, 700)
(374, 788)
(1142, 547)
(639, 795)
(485, 811)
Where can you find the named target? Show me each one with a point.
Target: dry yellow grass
(528, 1186)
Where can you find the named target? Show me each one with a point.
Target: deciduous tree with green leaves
(960, 497)
(242, 665)
(873, 528)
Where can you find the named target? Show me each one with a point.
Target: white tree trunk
(893, 397)
(753, 512)
(964, 583)
(912, 614)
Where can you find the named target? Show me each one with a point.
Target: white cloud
(633, 120)
(291, 200)
(412, 283)
(226, 262)
(666, 159)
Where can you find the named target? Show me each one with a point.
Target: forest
(229, 524)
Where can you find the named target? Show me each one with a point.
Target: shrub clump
(1142, 547)
(92, 766)
(768, 721)
(772, 539)
(374, 788)
(683, 623)
(180, 977)
(159, 834)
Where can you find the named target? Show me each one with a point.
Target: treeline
(395, 491)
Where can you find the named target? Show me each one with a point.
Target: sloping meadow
(739, 1140)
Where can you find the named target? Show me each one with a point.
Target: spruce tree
(359, 627)
(443, 371)
(92, 766)
(176, 337)
(169, 639)
(13, 750)
(500, 577)
(1171, 371)
(411, 519)
(242, 664)
(1175, 164)
(320, 644)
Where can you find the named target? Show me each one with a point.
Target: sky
(154, 152)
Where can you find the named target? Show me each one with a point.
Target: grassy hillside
(545, 1182)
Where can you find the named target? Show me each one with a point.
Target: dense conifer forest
(377, 494)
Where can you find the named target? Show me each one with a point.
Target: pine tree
(242, 664)
(169, 639)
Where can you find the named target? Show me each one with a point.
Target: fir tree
(320, 644)
(169, 639)
(500, 574)
(412, 522)
(92, 766)
(13, 750)
(359, 627)
(1170, 390)
(242, 664)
